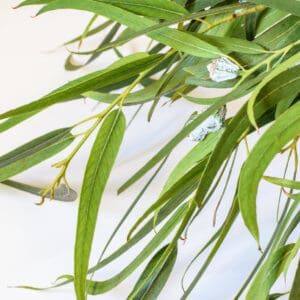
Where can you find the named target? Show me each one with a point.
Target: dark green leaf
(276, 296)
(196, 154)
(295, 291)
(152, 289)
(34, 152)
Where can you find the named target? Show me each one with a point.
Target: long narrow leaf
(152, 289)
(286, 127)
(123, 69)
(34, 152)
(100, 163)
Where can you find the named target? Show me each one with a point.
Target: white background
(37, 242)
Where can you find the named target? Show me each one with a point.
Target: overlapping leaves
(262, 38)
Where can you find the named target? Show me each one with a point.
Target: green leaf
(277, 71)
(295, 291)
(283, 182)
(250, 26)
(291, 257)
(62, 193)
(160, 9)
(295, 196)
(98, 169)
(33, 2)
(291, 6)
(268, 274)
(153, 287)
(197, 153)
(34, 152)
(283, 105)
(204, 101)
(13, 121)
(122, 69)
(196, 5)
(281, 34)
(285, 128)
(276, 296)
(230, 44)
(179, 40)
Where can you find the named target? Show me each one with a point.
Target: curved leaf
(34, 152)
(286, 127)
(278, 70)
(283, 182)
(99, 166)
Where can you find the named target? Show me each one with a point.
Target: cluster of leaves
(261, 37)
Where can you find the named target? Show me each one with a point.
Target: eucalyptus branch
(184, 53)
